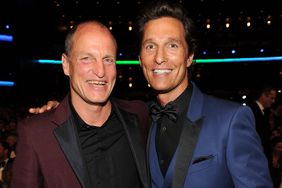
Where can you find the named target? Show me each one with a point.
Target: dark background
(39, 28)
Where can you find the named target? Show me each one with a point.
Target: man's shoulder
(136, 107)
(131, 105)
(37, 120)
(221, 100)
(222, 104)
(58, 115)
(253, 105)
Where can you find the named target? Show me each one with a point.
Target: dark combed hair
(264, 88)
(163, 8)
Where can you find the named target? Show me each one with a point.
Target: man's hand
(49, 106)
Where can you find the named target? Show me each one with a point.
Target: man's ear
(65, 64)
(140, 62)
(190, 60)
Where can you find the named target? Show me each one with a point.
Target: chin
(99, 99)
(99, 102)
(160, 89)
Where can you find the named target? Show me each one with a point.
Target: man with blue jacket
(196, 140)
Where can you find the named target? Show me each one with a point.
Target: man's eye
(109, 60)
(173, 45)
(86, 59)
(150, 46)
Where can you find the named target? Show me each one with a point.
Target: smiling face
(164, 57)
(91, 64)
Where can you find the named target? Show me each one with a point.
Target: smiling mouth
(99, 83)
(162, 71)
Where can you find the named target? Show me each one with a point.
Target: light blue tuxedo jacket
(226, 150)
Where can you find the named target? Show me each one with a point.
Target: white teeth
(96, 82)
(162, 71)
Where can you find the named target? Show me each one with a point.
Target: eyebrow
(174, 40)
(147, 40)
(170, 39)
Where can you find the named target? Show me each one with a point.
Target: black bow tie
(168, 110)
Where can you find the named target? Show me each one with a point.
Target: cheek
(80, 70)
(112, 73)
(147, 59)
(145, 71)
(183, 68)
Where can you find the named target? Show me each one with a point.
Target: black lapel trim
(68, 140)
(187, 144)
(134, 136)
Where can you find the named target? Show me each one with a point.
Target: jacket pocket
(202, 162)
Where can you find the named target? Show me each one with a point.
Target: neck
(166, 97)
(94, 114)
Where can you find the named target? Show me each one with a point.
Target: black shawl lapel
(134, 136)
(186, 147)
(68, 140)
(189, 136)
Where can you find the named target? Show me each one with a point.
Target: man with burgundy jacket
(89, 140)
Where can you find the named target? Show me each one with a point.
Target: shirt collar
(260, 105)
(80, 123)
(183, 100)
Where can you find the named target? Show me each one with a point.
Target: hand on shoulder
(52, 104)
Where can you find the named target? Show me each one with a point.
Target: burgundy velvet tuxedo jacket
(48, 154)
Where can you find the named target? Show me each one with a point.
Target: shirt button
(163, 129)
(161, 161)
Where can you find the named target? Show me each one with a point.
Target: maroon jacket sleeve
(26, 173)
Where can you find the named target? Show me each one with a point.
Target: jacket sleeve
(26, 170)
(245, 158)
